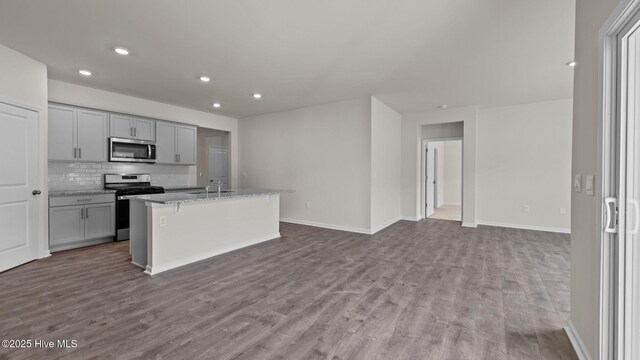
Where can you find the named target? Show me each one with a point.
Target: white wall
(451, 163)
(23, 81)
(590, 16)
(385, 165)
(442, 131)
(412, 157)
(524, 159)
(322, 152)
(73, 94)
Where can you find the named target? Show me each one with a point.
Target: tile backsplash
(81, 176)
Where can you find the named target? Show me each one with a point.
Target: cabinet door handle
(135, 132)
(79, 153)
(82, 213)
(131, 131)
(86, 211)
(75, 153)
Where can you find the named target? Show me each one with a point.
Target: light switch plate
(589, 184)
(577, 183)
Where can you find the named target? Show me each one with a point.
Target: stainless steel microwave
(127, 150)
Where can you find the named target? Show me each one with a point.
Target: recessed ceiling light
(571, 63)
(257, 96)
(204, 78)
(121, 51)
(442, 107)
(85, 72)
(216, 105)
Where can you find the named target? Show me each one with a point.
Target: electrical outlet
(308, 204)
(526, 208)
(163, 221)
(563, 211)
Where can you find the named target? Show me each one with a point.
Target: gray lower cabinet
(78, 221)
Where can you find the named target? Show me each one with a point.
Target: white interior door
(218, 166)
(429, 180)
(20, 210)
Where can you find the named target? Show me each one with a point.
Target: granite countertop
(63, 193)
(183, 187)
(186, 197)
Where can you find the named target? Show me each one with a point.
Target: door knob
(36, 192)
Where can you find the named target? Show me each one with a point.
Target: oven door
(127, 150)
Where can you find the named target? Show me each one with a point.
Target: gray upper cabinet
(176, 144)
(92, 136)
(166, 143)
(186, 144)
(130, 127)
(120, 126)
(144, 129)
(62, 133)
(77, 134)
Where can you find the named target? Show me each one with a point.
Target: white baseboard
(469, 225)
(327, 226)
(152, 270)
(576, 341)
(384, 225)
(409, 218)
(526, 227)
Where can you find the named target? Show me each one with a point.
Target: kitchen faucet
(219, 186)
(206, 188)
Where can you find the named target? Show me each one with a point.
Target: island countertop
(200, 196)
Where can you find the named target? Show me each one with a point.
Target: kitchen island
(175, 229)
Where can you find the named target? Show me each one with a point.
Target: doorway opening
(213, 158)
(442, 175)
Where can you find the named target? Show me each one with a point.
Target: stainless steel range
(127, 185)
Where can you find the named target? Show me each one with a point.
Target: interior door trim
(608, 147)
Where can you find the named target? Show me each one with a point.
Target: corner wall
(524, 160)
(385, 165)
(23, 82)
(322, 152)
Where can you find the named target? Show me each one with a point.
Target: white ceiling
(412, 54)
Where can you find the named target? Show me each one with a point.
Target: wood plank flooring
(416, 290)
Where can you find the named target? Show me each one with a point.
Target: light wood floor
(416, 290)
(447, 212)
